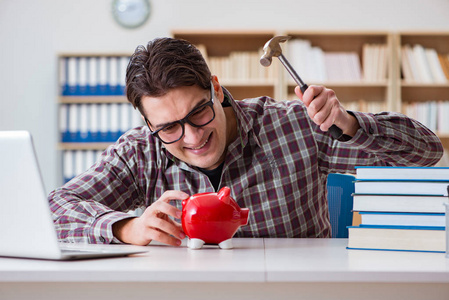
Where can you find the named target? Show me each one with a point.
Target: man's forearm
(397, 139)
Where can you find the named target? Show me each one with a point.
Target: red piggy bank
(212, 218)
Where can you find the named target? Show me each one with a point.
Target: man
(275, 156)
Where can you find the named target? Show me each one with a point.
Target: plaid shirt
(277, 168)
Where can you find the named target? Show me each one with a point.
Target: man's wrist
(352, 125)
(120, 228)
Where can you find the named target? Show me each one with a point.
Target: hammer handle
(334, 130)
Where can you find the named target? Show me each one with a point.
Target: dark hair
(165, 63)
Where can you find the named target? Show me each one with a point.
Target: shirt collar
(244, 122)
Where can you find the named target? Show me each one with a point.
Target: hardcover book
(403, 219)
(399, 203)
(422, 239)
(410, 187)
(383, 173)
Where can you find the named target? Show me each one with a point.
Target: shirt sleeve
(85, 208)
(383, 139)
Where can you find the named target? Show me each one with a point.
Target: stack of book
(401, 208)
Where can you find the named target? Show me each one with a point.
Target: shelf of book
(356, 65)
(423, 85)
(93, 109)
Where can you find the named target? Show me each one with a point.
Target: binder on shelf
(82, 88)
(62, 75)
(84, 123)
(125, 118)
(79, 158)
(93, 75)
(102, 76)
(94, 122)
(114, 122)
(63, 122)
(124, 60)
(72, 76)
(67, 166)
(74, 122)
(113, 80)
(105, 133)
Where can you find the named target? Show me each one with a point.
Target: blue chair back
(340, 188)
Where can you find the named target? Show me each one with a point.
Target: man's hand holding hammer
(322, 104)
(325, 109)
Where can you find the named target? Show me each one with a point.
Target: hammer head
(272, 48)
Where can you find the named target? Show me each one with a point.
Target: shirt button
(102, 239)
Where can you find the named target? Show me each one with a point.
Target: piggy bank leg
(227, 244)
(195, 243)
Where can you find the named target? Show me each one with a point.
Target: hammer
(272, 48)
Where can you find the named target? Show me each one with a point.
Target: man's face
(203, 147)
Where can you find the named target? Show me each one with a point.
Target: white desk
(254, 269)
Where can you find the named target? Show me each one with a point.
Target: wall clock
(131, 13)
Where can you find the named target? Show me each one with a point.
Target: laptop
(26, 225)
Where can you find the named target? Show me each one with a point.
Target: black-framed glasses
(198, 117)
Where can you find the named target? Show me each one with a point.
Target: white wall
(33, 32)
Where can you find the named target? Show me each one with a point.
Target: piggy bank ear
(225, 195)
